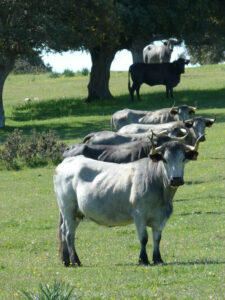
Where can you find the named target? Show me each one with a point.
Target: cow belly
(105, 201)
(108, 211)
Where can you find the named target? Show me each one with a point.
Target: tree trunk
(6, 66)
(98, 87)
(137, 52)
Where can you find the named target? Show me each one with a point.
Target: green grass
(193, 240)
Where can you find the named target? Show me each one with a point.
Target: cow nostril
(202, 139)
(176, 181)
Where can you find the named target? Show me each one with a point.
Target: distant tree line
(104, 27)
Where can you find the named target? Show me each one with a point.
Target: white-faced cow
(112, 194)
(159, 53)
(167, 74)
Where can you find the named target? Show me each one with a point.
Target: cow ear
(208, 123)
(156, 157)
(191, 155)
(191, 112)
(165, 43)
(174, 112)
(188, 124)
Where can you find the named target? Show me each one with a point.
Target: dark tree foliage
(24, 26)
(204, 33)
(30, 64)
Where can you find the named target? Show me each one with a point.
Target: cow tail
(60, 234)
(111, 124)
(129, 80)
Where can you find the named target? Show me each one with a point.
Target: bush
(85, 72)
(36, 150)
(68, 73)
(54, 75)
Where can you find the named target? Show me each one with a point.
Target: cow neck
(162, 182)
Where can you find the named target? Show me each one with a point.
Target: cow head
(198, 125)
(170, 43)
(182, 112)
(179, 64)
(173, 156)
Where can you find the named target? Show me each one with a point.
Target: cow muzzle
(202, 138)
(176, 181)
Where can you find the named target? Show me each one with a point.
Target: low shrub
(54, 75)
(36, 150)
(57, 291)
(68, 73)
(85, 72)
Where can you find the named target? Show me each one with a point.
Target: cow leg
(171, 92)
(65, 256)
(131, 91)
(156, 253)
(68, 230)
(137, 91)
(143, 238)
(167, 91)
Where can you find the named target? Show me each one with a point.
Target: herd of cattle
(127, 176)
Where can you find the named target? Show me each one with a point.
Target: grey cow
(113, 138)
(159, 53)
(195, 128)
(164, 115)
(112, 194)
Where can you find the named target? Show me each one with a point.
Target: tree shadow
(76, 107)
(63, 130)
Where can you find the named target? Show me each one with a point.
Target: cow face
(182, 111)
(198, 126)
(173, 156)
(179, 65)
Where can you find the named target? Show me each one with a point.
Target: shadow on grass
(191, 263)
(76, 107)
(63, 130)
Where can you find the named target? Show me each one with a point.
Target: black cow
(167, 74)
(122, 153)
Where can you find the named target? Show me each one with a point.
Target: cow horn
(195, 147)
(211, 120)
(163, 132)
(179, 138)
(192, 108)
(184, 131)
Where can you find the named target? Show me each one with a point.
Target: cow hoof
(76, 265)
(158, 262)
(144, 263)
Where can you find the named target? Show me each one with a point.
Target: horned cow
(112, 194)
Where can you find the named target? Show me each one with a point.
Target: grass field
(193, 241)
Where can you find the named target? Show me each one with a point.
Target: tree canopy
(105, 26)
